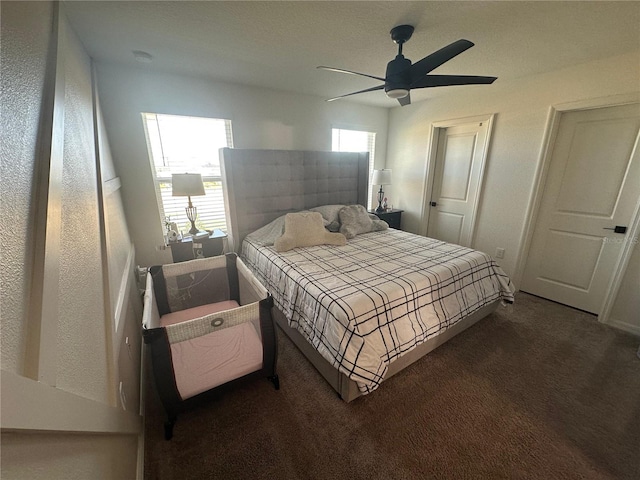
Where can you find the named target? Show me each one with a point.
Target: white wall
(260, 119)
(521, 107)
(625, 312)
(81, 341)
(61, 360)
(23, 37)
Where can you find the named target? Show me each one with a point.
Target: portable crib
(208, 326)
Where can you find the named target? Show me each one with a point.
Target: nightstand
(187, 249)
(392, 216)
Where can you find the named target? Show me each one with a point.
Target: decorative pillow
(306, 229)
(267, 235)
(354, 220)
(331, 214)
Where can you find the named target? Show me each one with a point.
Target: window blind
(344, 140)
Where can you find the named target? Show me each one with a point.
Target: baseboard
(627, 327)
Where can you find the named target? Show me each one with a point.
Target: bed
(363, 311)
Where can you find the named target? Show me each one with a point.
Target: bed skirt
(346, 388)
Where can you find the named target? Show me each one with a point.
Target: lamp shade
(186, 184)
(382, 177)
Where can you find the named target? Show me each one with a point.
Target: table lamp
(381, 177)
(188, 185)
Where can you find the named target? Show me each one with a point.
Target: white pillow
(306, 229)
(267, 235)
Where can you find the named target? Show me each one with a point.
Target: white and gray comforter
(366, 303)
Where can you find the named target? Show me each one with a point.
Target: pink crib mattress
(205, 362)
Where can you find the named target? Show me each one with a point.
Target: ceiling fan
(403, 76)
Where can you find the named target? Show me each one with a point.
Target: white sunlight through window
(179, 144)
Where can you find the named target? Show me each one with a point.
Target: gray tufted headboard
(261, 185)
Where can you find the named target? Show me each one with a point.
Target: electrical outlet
(499, 252)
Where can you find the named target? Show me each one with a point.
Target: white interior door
(592, 186)
(456, 182)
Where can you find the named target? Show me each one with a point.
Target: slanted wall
(68, 299)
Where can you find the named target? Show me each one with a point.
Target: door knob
(617, 229)
(433, 204)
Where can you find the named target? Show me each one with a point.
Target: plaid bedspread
(364, 304)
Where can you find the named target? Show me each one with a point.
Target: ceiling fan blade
(405, 100)
(341, 70)
(430, 62)
(446, 80)
(379, 87)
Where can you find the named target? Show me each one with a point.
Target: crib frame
(235, 283)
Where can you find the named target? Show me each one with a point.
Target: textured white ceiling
(278, 44)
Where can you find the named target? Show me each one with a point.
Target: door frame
(436, 130)
(540, 178)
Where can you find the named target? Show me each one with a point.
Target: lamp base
(380, 197)
(192, 214)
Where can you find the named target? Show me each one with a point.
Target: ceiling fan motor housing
(398, 76)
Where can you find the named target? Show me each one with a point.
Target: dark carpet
(534, 391)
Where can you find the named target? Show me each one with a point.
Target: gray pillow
(331, 215)
(354, 220)
(267, 235)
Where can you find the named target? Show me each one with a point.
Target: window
(179, 144)
(356, 141)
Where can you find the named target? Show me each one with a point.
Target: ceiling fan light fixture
(397, 93)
